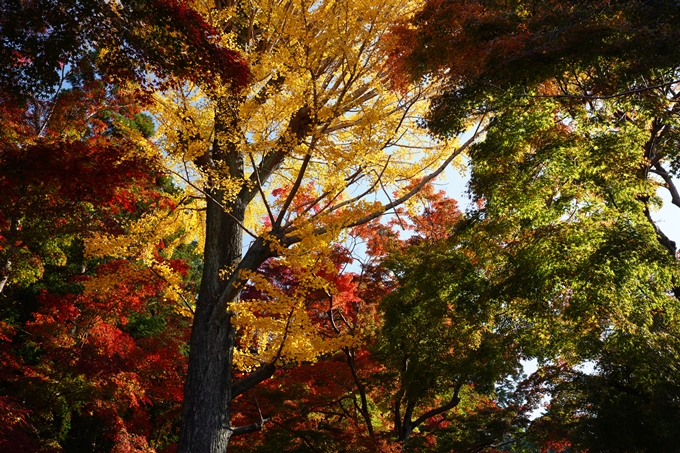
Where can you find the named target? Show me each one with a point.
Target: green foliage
(580, 104)
(440, 327)
(491, 54)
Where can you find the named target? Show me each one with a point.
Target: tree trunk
(207, 393)
(206, 426)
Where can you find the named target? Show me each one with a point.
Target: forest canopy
(221, 227)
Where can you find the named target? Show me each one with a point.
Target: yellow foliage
(278, 327)
(139, 245)
(320, 102)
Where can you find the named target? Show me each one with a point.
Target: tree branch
(207, 195)
(253, 427)
(670, 185)
(256, 172)
(292, 239)
(362, 392)
(450, 405)
(423, 182)
(261, 374)
(298, 127)
(293, 191)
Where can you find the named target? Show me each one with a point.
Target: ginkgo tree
(315, 144)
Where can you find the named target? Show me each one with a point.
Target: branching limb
(670, 185)
(293, 191)
(253, 426)
(55, 99)
(292, 239)
(299, 126)
(362, 392)
(224, 208)
(256, 172)
(367, 191)
(440, 410)
(401, 200)
(261, 374)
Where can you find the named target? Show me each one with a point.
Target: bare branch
(225, 209)
(293, 191)
(670, 185)
(247, 429)
(256, 172)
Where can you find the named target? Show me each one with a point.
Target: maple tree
(79, 370)
(582, 103)
(83, 368)
(124, 40)
(410, 384)
(92, 329)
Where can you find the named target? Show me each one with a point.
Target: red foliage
(319, 406)
(105, 367)
(109, 367)
(310, 405)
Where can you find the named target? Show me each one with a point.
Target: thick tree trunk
(207, 394)
(209, 389)
(206, 426)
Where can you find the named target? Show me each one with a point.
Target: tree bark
(209, 388)
(207, 392)
(206, 426)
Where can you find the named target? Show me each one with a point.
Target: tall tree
(79, 365)
(582, 99)
(307, 145)
(76, 162)
(614, 60)
(437, 347)
(73, 69)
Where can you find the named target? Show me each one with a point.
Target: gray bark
(207, 393)
(209, 389)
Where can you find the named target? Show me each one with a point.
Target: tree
(613, 60)
(583, 132)
(629, 404)
(99, 367)
(42, 39)
(76, 74)
(449, 342)
(85, 369)
(317, 122)
(488, 53)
